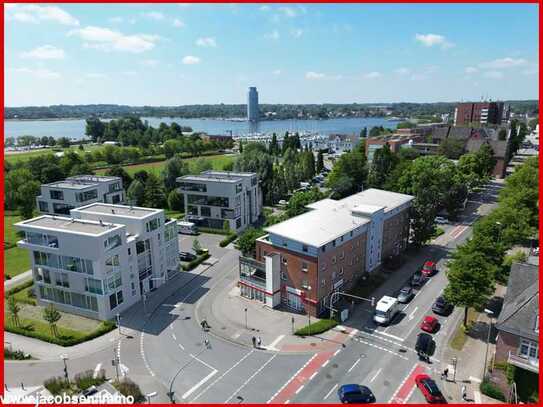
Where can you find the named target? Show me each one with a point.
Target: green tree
(486, 159)
(63, 142)
(176, 201)
(349, 173)
(175, 167)
(196, 246)
(200, 165)
(27, 198)
(502, 134)
(451, 148)
(382, 164)
(246, 243)
(406, 125)
(240, 146)
(153, 196)
(298, 202)
(135, 193)
(118, 171)
(320, 161)
(471, 280)
(94, 128)
(226, 226)
(52, 316)
(274, 145)
(13, 309)
(364, 132)
(255, 158)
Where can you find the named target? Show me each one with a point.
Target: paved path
(18, 279)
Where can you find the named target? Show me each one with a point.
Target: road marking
(197, 385)
(381, 348)
(389, 335)
(477, 397)
(325, 363)
(313, 375)
(271, 346)
(174, 337)
(288, 401)
(331, 390)
(401, 393)
(412, 315)
(353, 366)
(353, 333)
(337, 351)
(475, 379)
(251, 378)
(171, 326)
(96, 370)
(181, 346)
(236, 335)
(299, 389)
(293, 376)
(375, 375)
(409, 395)
(224, 374)
(202, 362)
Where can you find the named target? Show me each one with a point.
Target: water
(76, 128)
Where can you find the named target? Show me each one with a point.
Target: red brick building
(484, 113)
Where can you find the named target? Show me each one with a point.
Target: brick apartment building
(302, 261)
(483, 113)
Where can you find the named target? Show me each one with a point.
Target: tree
(176, 202)
(349, 173)
(502, 134)
(246, 243)
(27, 198)
(382, 164)
(196, 246)
(406, 125)
(298, 202)
(51, 316)
(135, 193)
(274, 146)
(364, 132)
(471, 280)
(63, 142)
(118, 171)
(13, 309)
(226, 226)
(451, 148)
(320, 161)
(486, 160)
(175, 167)
(94, 128)
(153, 196)
(255, 158)
(200, 165)
(240, 146)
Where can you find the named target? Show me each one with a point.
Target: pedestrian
(259, 341)
(254, 342)
(464, 394)
(445, 374)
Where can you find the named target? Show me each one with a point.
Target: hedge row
(228, 239)
(18, 288)
(104, 328)
(317, 328)
(199, 259)
(491, 390)
(214, 231)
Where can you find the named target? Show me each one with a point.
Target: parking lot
(207, 241)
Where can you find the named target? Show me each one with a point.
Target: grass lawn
(42, 328)
(16, 260)
(16, 157)
(173, 214)
(460, 335)
(23, 295)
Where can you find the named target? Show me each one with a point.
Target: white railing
(530, 364)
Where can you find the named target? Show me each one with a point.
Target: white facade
(58, 198)
(214, 197)
(252, 105)
(100, 261)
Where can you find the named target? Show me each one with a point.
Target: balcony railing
(529, 364)
(252, 272)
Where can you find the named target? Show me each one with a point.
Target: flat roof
(70, 184)
(217, 176)
(69, 225)
(119, 210)
(94, 178)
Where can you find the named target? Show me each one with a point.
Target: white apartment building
(58, 198)
(102, 259)
(214, 197)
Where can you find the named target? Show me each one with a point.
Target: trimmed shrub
(86, 379)
(16, 355)
(128, 388)
(199, 259)
(214, 231)
(56, 385)
(227, 240)
(317, 328)
(491, 390)
(18, 288)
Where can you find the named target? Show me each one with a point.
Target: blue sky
(172, 54)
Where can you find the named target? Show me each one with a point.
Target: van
(385, 310)
(186, 228)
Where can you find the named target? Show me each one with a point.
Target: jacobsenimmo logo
(65, 399)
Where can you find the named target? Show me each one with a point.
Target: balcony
(529, 364)
(252, 272)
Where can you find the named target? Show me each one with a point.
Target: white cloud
(154, 15)
(314, 75)
(503, 63)
(105, 39)
(277, 72)
(41, 73)
(44, 52)
(265, 8)
(178, 23)
(429, 40)
(493, 74)
(470, 70)
(274, 35)
(96, 76)
(191, 60)
(31, 13)
(373, 75)
(402, 71)
(297, 32)
(149, 62)
(206, 42)
(288, 11)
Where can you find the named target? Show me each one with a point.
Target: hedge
(20, 287)
(199, 259)
(317, 328)
(105, 327)
(491, 390)
(214, 231)
(227, 240)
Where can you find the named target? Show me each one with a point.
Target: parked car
(429, 389)
(406, 294)
(424, 345)
(355, 394)
(429, 268)
(440, 220)
(186, 256)
(418, 279)
(429, 324)
(442, 307)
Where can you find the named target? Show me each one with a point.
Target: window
(342, 255)
(323, 248)
(113, 282)
(115, 299)
(283, 276)
(220, 201)
(285, 243)
(113, 261)
(192, 210)
(239, 188)
(304, 248)
(46, 276)
(61, 279)
(94, 286)
(153, 225)
(305, 284)
(112, 242)
(334, 242)
(188, 186)
(205, 211)
(86, 196)
(238, 223)
(58, 195)
(529, 349)
(129, 252)
(284, 259)
(62, 209)
(304, 267)
(323, 282)
(44, 206)
(351, 233)
(341, 238)
(323, 267)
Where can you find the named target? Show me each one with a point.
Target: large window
(44, 206)
(115, 299)
(113, 282)
(205, 211)
(57, 195)
(220, 201)
(153, 225)
(94, 286)
(529, 349)
(113, 261)
(112, 242)
(86, 195)
(114, 187)
(192, 186)
(42, 239)
(228, 214)
(61, 279)
(62, 209)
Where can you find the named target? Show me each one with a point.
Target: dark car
(424, 345)
(355, 394)
(442, 307)
(418, 279)
(186, 256)
(406, 294)
(429, 389)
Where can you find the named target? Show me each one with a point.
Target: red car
(429, 324)
(429, 268)
(429, 389)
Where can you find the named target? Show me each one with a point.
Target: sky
(177, 54)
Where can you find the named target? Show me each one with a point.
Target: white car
(440, 220)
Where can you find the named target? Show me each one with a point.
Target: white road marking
(353, 333)
(142, 351)
(181, 346)
(375, 375)
(124, 369)
(202, 362)
(389, 335)
(197, 385)
(96, 370)
(271, 346)
(325, 363)
(294, 376)
(337, 351)
(401, 384)
(412, 315)
(353, 366)
(409, 395)
(299, 389)
(477, 397)
(250, 378)
(475, 379)
(236, 335)
(174, 337)
(288, 401)
(224, 374)
(330, 392)
(381, 348)
(313, 375)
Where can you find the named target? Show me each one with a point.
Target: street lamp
(149, 395)
(64, 358)
(489, 314)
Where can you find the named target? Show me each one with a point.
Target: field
(16, 260)
(12, 158)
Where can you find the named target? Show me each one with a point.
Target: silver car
(406, 294)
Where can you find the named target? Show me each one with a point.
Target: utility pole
(246, 326)
(64, 359)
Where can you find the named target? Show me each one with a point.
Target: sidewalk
(18, 279)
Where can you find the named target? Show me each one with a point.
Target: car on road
(424, 345)
(429, 324)
(186, 256)
(418, 279)
(429, 389)
(429, 268)
(440, 220)
(441, 306)
(406, 294)
(355, 394)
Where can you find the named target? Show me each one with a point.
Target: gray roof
(78, 226)
(119, 210)
(521, 303)
(217, 176)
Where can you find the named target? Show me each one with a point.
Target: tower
(252, 105)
